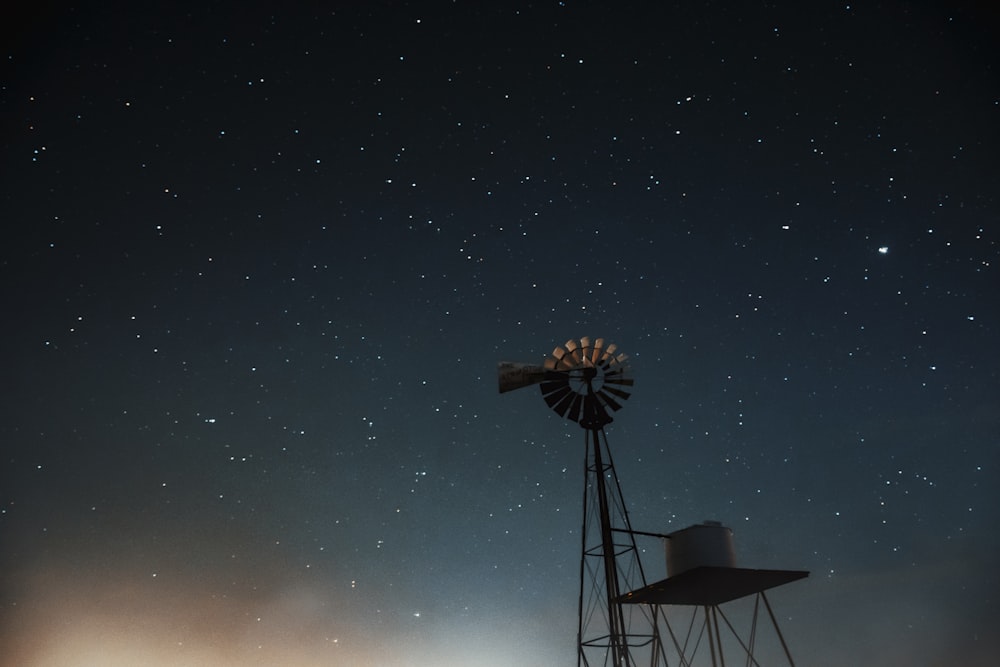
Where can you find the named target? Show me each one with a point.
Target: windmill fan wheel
(583, 380)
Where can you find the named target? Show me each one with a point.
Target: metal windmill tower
(620, 615)
(582, 381)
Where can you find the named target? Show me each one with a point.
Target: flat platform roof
(711, 586)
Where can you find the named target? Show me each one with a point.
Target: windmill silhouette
(585, 381)
(620, 615)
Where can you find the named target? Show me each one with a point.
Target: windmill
(619, 613)
(584, 381)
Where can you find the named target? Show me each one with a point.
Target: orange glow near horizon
(59, 624)
(124, 623)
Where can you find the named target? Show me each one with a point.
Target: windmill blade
(585, 350)
(555, 390)
(617, 373)
(574, 408)
(561, 359)
(611, 366)
(615, 369)
(555, 394)
(620, 393)
(595, 359)
(618, 361)
(624, 395)
(564, 404)
(574, 352)
(512, 375)
(610, 402)
(623, 381)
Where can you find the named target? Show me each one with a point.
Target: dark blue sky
(260, 265)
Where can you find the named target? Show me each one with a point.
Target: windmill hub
(586, 381)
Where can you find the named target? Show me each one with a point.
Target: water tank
(709, 543)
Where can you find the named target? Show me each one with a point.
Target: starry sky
(259, 264)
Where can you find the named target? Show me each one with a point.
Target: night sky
(259, 265)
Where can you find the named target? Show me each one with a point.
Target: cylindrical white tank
(709, 543)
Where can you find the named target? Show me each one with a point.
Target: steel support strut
(605, 634)
(616, 621)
